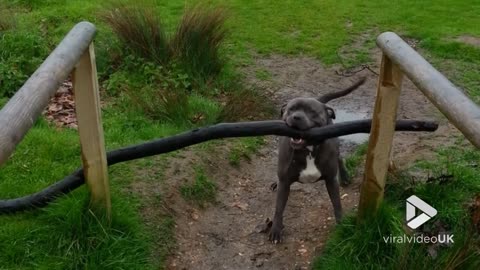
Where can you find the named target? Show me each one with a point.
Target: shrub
(197, 40)
(152, 90)
(140, 30)
(173, 105)
(195, 44)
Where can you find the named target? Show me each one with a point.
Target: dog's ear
(282, 110)
(330, 112)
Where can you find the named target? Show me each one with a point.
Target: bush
(140, 29)
(195, 45)
(162, 94)
(174, 106)
(197, 40)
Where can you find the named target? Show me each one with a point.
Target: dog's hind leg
(334, 194)
(343, 173)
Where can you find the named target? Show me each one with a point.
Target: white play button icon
(413, 221)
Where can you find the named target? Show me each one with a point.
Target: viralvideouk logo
(427, 212)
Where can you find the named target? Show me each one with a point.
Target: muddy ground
(225, 235)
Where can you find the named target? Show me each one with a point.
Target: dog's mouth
(297, 143)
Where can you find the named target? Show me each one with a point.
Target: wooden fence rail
(399, 58)
(73, 56)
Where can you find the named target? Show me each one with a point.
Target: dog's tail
(333, 95)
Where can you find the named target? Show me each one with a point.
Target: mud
(225, 235)
(470, 40)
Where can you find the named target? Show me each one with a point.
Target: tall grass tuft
(140, 29)
(196, 42)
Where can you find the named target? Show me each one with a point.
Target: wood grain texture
(381, 138)
(460, 110)
(88, 111)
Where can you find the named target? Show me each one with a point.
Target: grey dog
(299, 161)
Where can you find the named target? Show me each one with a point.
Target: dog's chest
(310, 174)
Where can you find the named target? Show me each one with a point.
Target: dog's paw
(273, 186)
(275, 235)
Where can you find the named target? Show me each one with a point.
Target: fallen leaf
(194, 216)
(241, 206)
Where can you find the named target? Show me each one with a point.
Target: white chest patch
(310, 174)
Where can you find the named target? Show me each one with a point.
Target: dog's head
(305, 113)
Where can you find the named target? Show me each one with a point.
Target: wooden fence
(75, 56)
(399, 60)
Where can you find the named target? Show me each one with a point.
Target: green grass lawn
(66, 236)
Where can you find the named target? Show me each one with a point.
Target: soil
(226, 235)
(470, 40)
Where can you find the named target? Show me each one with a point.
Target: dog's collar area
(310, 149)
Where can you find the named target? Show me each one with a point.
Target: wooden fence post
(87, 103)
(21, 111)
(381, 137)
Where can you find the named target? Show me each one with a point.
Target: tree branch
(224, 130)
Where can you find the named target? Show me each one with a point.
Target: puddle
(343, 116)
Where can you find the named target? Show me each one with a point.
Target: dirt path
(225, 236)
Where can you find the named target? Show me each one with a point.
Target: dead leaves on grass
(61, 109)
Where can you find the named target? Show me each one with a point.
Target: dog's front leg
(282, 197)
(334, 194)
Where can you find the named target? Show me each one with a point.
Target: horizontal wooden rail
(21, 111)
(225, 130)
(451, 101)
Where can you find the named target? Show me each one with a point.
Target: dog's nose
(296, 117)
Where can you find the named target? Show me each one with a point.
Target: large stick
(225, 130)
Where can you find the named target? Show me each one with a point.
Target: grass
(359, 247)
(353, 246)
(66, 236)
(79, 240)
(263, 74)
(354, 160)
(246, 105)
(244, 149)
(201, 191)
